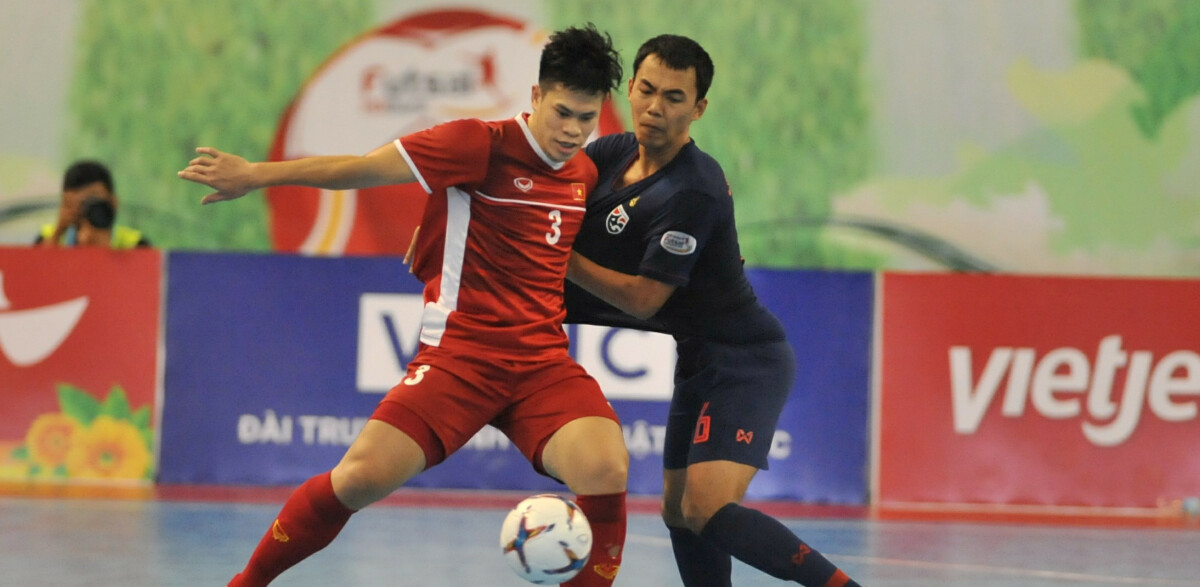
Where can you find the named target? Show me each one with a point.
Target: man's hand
(229, 174)
(68, 216)
(90, 236)
(69, 211)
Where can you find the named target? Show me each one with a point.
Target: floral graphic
(87, 439)
(108, 449)
(49, 438)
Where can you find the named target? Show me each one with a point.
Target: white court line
(1010, 571)
(980, 569)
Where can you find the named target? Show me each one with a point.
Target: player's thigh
(442, 402)
(567, 429)
(588, 454)
(380, 460)
(711, 485)
(691, 496)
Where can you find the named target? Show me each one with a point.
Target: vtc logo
(628, 364)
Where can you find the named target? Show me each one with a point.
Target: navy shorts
(727, 401)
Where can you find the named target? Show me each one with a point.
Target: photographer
(87, 212)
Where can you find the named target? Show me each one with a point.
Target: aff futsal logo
(386, 90)
(424, 69)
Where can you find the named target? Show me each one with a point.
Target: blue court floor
(103, 542)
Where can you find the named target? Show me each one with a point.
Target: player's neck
(650, 161)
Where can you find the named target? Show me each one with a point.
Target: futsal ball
(546, 539)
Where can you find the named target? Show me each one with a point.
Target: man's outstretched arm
(233, 177)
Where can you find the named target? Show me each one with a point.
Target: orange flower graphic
(49, 439)
(108, 449)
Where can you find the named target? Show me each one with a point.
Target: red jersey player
(506, 200)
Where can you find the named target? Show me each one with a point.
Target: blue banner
(274, 363)
(820, 452)
(261, 360)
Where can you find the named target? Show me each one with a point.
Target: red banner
(1041, 391)
(78, 368)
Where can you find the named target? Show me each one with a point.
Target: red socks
(309, 521)
(313, 516)
(606, 515)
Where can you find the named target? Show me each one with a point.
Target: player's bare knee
(357, 484)
(597, 474)
(696, 522)
(610, 474)
(672, 513)
(698, 510)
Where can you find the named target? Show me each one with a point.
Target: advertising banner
(821, 444)
(78, 371)
(261, 356)
(410, 74)
(275, 362)
(1038, 391)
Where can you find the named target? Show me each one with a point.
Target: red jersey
(495, 236)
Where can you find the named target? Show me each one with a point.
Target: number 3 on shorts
(417, 375)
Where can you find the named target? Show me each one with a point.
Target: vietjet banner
(408, 75)
(274, 363)
(1037, 390)
(78, 363)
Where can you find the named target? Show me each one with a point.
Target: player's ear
(698, 111)
(535, 95)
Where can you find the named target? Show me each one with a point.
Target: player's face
(664, 104)
(562, 119)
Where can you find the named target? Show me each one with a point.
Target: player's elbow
(643, 309)
(647, 297)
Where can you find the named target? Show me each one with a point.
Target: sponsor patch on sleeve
(678, 243)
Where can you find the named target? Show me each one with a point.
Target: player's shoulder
(460, 132)
(611, 147)
(578, 169)
(468, 125)
(621, 141)
(701, 171)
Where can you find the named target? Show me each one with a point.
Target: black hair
(87, 172)
(581, 59)
(679, 53)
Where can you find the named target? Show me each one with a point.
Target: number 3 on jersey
(555, 222)
(417, 375)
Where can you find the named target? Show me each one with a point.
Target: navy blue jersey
(677, 227)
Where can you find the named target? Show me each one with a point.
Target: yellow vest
(123, 237)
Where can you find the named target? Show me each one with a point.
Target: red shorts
(447, 397)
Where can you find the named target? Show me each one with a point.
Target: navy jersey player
(658, 250)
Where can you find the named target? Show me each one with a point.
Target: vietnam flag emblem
(579, 191)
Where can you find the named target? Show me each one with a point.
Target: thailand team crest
(617, 219)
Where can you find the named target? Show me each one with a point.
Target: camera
(98, 212)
